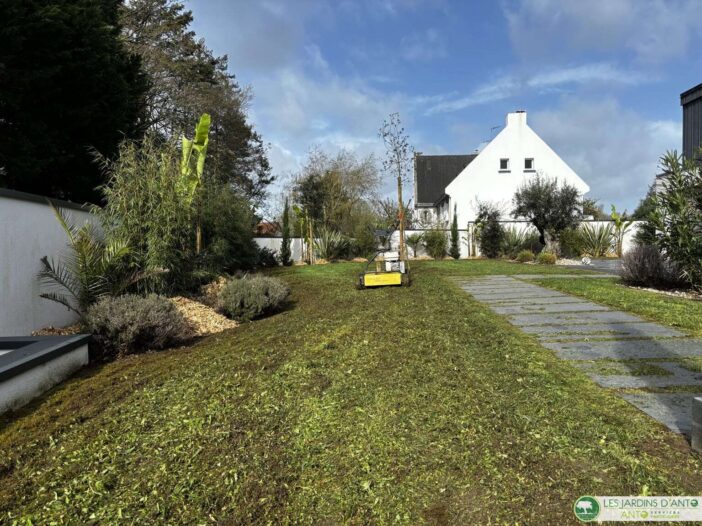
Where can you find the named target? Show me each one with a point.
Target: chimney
(518, 118)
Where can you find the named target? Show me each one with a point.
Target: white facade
(514, 156)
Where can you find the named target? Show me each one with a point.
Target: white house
(493, 175)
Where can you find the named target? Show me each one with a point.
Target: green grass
(681, 313)
(389, 406)
(629, 368)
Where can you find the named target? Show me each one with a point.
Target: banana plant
(192, 167)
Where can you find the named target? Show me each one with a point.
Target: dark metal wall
(691, 102)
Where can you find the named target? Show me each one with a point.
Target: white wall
(28, 231)
(482, 179)
(469, 248)
(274, 243)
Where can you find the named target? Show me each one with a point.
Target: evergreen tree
(67, 84)
(285, 248)
(454, 251)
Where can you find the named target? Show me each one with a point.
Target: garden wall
(274, 243)
(28, 231)
(467, 249)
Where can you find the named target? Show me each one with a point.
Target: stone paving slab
(517, 295)
(671, 409)
(535, 301)
(548, 308)
(553, 315)
(499, 288)
(626, 349)
(573, 318)
(560, 276)
(602, 330)
(680, 376)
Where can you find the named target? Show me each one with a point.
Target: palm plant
(596, 240)
(330, 244)
(91, 269)
(516, 239)
(414, 240)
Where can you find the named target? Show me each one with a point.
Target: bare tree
(398, 163)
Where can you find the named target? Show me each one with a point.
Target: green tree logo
(586, 508)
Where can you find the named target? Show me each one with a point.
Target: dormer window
(528, 164)
(504, 165)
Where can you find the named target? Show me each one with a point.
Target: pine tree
(285, 248)
(454, 252)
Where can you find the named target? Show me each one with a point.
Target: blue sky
(600, 79)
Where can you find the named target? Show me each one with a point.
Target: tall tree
(186, 80)
(67, 84)
(285, 247)
(454, 251)
(398, 163)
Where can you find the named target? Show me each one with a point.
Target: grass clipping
(203, 319)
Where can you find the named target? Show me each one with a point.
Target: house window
(504, 164)
(528, 164)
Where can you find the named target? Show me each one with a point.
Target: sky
(600, 79)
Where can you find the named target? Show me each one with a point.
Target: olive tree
(551, 207)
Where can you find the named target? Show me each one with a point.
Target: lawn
(683, 314)
(390, 406)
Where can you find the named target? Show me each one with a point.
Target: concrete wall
(28, 231)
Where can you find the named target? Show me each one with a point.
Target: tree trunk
(551, 243)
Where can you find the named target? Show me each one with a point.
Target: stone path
(580, 330)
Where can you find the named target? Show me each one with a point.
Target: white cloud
(651, 30)
(424, 46)
(510, 85)
(615, 150)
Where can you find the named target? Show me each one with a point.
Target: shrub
(516, 239)
(266, 258)
(130, 324)
(525, 256)
(596, 239)
(546, 258)
(435, 243)
(490, 231)
(251, 296)
(645, 265)
(677, 217)
(571, 243)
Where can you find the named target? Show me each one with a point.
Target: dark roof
(433, 173)
(691, 95)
